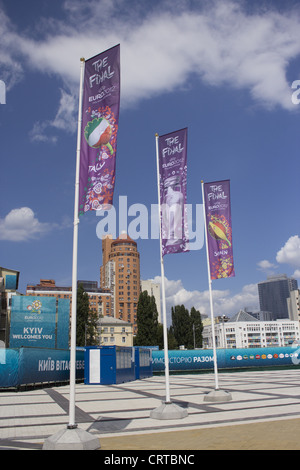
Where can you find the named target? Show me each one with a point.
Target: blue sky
(223, 69)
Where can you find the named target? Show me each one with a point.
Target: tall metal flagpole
(167, 410)
(74, 438)
(72, 423)
(165, 331)
(217, 395)
(210, 295)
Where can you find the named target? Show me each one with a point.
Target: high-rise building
(120, 272)
(274, 294)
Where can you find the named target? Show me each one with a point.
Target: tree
(187, 327)
(147, 321)
(86, 320)
(197, 326)
(182, 326)
(91, 331)
(172, 343)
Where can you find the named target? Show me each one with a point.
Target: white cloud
(11, 69)
(22, 225)
(39, 134)
(290, 252)
(223, 302)
(218, 41)
(297, 274)
(65, 119)
(265, 265)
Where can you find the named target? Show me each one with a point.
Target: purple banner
(173, 178)
(100, 116)
(219, 230)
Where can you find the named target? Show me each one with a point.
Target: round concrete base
(168, 410)
(217, 395)
(72, 439)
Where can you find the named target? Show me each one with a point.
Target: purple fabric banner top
(172, 150)
(100, 116)
(219, 229)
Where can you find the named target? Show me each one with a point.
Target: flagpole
(167, 410)
(74, 438)
(72, 424)
(210, 295)
(165, 331)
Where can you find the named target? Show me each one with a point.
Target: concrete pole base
(72, 439)
(168, 410)
(217, 395)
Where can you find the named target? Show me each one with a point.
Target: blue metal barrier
(202, 359)
(36, 365)
(143, 363)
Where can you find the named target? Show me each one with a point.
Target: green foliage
(147, 321)
(182, 326)
(86, 321)
(172, 343)
(187, 327)
(197, 326)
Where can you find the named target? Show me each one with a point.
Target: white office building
(245, 331)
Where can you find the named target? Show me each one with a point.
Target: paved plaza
(264, 413)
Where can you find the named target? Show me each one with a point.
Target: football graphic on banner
(97, 133)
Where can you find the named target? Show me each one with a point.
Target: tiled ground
(116, 413)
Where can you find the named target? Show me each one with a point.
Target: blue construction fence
(116, 364)
(202, 359)
(24, 366)
(103, 365)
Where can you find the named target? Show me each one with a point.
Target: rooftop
(242, 316)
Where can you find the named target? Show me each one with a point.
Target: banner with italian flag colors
(173, 179)
(219, 228)
(100, 116)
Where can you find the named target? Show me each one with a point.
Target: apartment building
(115, 332)
(120, 273)
(99, 299)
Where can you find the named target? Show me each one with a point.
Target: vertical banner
(100, 116)
(219, 229)
(172, 150)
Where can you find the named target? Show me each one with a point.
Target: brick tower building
(120, 272)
